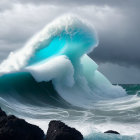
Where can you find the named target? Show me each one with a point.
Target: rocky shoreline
(14, 128)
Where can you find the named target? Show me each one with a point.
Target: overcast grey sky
(116, 21)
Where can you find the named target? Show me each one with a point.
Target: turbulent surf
(52, 77)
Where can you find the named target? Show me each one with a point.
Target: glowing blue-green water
(52, 49)
(73, 44)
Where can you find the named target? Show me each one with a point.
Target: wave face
(52, 77)
(58, 53)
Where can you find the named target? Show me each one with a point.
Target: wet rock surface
(112, 132)
(59, 131)
(13, 128)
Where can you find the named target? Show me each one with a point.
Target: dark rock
(2, 113)
(13, 128)
(112, 132)
(59, 131)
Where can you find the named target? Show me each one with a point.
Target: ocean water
(52, 77)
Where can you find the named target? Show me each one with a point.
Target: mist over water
(52, 77)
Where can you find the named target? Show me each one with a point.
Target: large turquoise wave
(58, 53)
(52, 77)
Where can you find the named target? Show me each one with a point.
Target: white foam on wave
(58, 69)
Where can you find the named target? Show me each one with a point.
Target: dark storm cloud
(121, 44)
(119, 74)
(83, 2)
(5, 4)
